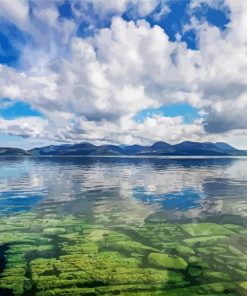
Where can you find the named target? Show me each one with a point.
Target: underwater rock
(243, 285)
(81, 248)
(120, 242)
(216, 275)
(205, 241)
(179, 248)
(212, 250)
(194, 271)
(164, 260)
(16, 283)
(236, 252)
(53, 231)
(197, 261)
(107, 268)
(64, 255)
(206, 229)
(217, 289)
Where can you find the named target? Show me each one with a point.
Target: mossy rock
(73, 291)
(166, 261)
(24, 248)
(17, 237)
(107, 267)
(120, 242)
(81, 248)
(216, 289)
(15, 283)
(243, 285)
(157, 233)
(206, 241)
(243, 232)
(54, 231)
(206, 229)
(234, 227)
(236, 252)
(40, 266)
(216, 276)
(92, 260)
(238, 273)
(194, 271)
(198, 261)
(178, 248)
(51, 282)
(213, 250)
(97, 234)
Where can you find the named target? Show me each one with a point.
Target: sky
(122, 71)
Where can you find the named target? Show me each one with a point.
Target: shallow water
(123, 226)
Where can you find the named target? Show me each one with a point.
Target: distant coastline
(159, 149)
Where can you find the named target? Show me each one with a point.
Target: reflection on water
(126, 189)
(75, 226)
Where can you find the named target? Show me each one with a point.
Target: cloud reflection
(111, 190)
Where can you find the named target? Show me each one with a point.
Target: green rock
(206, 241)
(179, 248)
(233, 227)
(68, 292)
(53, 231)
(206, 229)
(235, 251)
(97, 234)
(16, 283)
(243, 285)
(216, 275)
(158, 258)
(164, 260)
(120, 242)
(194, 271)
(212, 250)
(243, 232)
(238, 272)
(197, 261)
(84, 248)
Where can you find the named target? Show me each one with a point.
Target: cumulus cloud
(15, 11)
(113, 7)
(90, 88)
(24, 127)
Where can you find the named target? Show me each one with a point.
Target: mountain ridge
(160, 148)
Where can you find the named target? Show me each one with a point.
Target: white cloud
(15, 11)
(118, 7)
(24, 127)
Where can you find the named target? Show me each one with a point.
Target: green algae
(194, 271)
(206, 229)
(213, 275)
(177, 248)
(164, 260)
(53, 231)
(205, 241)
(65, 255)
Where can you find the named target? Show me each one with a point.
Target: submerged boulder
(164, 260)
(206, 229)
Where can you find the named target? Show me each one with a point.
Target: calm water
(122, 215)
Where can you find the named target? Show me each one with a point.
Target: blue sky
(100, 71)
(188, 112)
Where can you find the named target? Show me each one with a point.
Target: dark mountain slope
(158, 148)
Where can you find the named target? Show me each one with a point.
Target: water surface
(123, 226)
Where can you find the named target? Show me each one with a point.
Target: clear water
(123, 226)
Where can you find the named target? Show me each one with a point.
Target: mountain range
(186, 148)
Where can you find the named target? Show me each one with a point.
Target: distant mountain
(6, 151)
(157, 149)
(186, 148)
